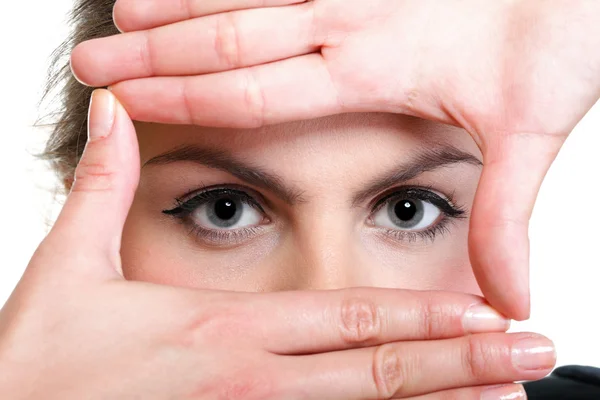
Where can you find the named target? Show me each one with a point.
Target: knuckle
(389, 375)
(254, 99)
(188, 105)
(195, 327)
(434, 319)
(93, 177)
(476, 358)
(360, 320)
(185, 8)
(230, 323)
(145, 54)
(227, 46)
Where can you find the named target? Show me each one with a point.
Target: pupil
(405, 210)
(225, 209)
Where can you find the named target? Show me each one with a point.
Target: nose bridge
(326, 251)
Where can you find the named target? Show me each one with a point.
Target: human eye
(220, 216)
(414, 213)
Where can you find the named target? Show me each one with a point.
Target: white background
(565, 226)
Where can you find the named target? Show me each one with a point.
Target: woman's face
(352, 200)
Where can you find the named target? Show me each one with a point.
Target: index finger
(242, 98)
(498, 235)
(135, 15)
(302, 322)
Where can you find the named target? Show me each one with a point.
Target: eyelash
(186, 205)
(184, 208)
(449, 210)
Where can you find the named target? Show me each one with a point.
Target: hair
(89, 19)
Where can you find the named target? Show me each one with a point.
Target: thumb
(91, 222)
(514, 167)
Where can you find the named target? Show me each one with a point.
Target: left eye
(409, 214)
(224, 213)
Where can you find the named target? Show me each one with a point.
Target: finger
(199, 46)
(135, 15)
(318, 321)
(514, 168)
(406, 369)
(502, 392)
(92, 219)
(293, 89)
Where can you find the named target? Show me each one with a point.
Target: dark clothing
(572, 382)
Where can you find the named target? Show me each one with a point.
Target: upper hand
(518, 76)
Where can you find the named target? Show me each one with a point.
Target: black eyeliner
(185, 207)
(192, 200)
(450, 213)
(421, 194)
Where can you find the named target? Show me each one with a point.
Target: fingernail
(481, 318)
(534, 353)
(101, 115)
(505, 392)
(115, 20)
(73, 71)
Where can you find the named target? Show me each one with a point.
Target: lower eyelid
(226, 238)
(230, 237)
(428, 235)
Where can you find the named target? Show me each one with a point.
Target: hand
(75, 329)
(518, 76)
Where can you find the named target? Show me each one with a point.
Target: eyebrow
(224, 161)
(427, 159)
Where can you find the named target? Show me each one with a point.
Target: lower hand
(74, 328)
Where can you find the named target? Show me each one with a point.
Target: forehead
(337, 140)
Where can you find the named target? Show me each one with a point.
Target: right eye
(406, 213)
(226, 211)
(222, 210)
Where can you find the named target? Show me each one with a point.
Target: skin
(517, 75)
(518, 123)
(321, 240)
(75, 328)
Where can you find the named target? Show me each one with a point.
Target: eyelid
(253, 198)
(446, 204)
(450, 213)
(192, 200)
